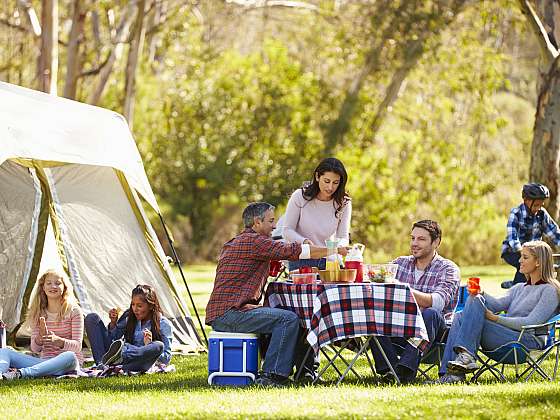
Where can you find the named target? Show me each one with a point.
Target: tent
(72, 188)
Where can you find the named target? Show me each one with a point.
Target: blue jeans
(34, 367)
(399, 346)
(98, 336)
(283, 325)
(512, 258)
(471, 330)
(135, 358)
(141, 358)
(321, 263)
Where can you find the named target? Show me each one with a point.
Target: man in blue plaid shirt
(434, 282)
(527, 222)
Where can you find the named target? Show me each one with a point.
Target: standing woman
(319, 210)
(479, 325)
(57, 326)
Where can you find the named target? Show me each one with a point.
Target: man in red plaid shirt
(241, 275)
(434, 281)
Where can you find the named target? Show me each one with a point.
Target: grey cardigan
(525, 305)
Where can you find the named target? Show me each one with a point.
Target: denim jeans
(141, 358)
(399, 346)
(284, 327)
(321, 263)
(512, 258)
(98, 336)
(471, 330)
(34, 367)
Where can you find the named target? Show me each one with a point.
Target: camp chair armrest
(535, 326)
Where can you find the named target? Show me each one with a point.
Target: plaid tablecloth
(333, 312)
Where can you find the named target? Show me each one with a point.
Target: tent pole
(178, 263)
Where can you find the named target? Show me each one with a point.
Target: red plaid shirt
(243, 270)
(441, 276)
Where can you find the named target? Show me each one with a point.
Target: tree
(545, 149)
(48, 59)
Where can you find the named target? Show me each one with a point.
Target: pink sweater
(70, 329)
(315, 220)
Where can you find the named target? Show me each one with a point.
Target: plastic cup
(473, 285)
(391, 272)
(275, 267)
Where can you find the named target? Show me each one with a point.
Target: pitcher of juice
(355, 259)
(332, 254)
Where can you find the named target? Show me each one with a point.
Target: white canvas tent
(71, 178)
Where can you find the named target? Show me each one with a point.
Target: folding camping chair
(516, 354)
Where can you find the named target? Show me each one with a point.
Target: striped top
(70, 329)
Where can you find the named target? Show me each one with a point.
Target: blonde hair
(543, 253)
(38, 302)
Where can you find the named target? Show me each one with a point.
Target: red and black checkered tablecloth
(333, 312)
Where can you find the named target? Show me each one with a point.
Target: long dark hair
(149, 295)
(340, 197)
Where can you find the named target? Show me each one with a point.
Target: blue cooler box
(233, 358)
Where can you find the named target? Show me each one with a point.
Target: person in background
(57, 327)
(478, 325)
(147, 334)
(319, 210)
(527, 222)
(434, 281)
(241, 275)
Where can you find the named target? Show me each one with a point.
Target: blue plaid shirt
(441, 276)
(523, 227)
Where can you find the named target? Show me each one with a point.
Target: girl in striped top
(57, 325)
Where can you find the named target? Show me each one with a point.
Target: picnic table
(336, 312)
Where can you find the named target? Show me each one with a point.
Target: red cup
(305, 270)
(274, 268)
(473, 285)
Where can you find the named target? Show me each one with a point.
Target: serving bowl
(338, 276)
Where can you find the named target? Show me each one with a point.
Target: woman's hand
(491, 316)
(54, 339)
(343, 250)
(147, 336)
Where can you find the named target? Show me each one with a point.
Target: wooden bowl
(339, 276)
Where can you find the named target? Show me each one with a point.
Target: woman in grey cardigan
(478, 325)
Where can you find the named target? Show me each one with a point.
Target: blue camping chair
(432, 359)
(516, 354)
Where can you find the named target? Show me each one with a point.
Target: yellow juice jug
(332, 266)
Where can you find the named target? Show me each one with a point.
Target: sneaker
(114, 354)
(463, 363)
(271, 380)
(11, 375)
(507, 284)
(450, 378)
(309, 378)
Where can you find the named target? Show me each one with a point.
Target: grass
(185, 394)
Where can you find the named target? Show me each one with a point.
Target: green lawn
(186, 393)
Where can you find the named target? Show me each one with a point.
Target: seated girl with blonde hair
(57, 326)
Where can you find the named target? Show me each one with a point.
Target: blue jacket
(166, 330)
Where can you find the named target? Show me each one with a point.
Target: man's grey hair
(255, 211)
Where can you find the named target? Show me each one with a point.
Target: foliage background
(237, 104)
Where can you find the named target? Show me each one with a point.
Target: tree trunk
(73, 61)
(48, 59)
(120, 37)
(545, 150)
(134, 53)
